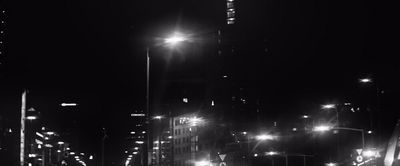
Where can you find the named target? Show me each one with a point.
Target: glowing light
(365, 80)
(255, 155)
(134, 152)
(138, 115)
(58, 151)
(32, 155)
(202, 163)
(271, 153)
(139, 142)
(370, 153)
(48, 145)
(369, 132)
(331, 164)
(322, 128)
(40, 135)
(305, 116)
(175, 39)
(328, 106)
(91, 157)
(68, 104)
(31, 117)
(60, 142)
(50, 133)
(265, 137)
(159, 117)
(194, 121)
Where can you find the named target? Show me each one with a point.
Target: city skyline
(284, 59)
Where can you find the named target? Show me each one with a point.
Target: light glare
(264, 137)
(322, 128)
(365, 80)
(175, 39)
(328, 106)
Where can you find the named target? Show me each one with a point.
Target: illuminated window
(231, 13)
(229, 5)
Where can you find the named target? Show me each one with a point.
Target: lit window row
(230, 12)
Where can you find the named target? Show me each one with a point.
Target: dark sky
(92, 51)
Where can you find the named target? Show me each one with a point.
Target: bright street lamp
(159, 117)
(175, 39)
(365, 80)
(323, 128)
(31, 117)
(328, 106)
(68, 104)
(331, 164)
(332, 106)
(172, 41)
(263, 137)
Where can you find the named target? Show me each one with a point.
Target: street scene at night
(198, 83)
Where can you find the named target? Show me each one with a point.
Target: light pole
(378, 93)
(171, 41)
(334, 107)
(323, 128)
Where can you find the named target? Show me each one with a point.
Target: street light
(334, 107)
(323, 128)
(68, 104)
(175, 39)
(264, 137)
(331, 164)
(365, 80)
(171, 41)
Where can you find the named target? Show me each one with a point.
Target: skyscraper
(2, 32)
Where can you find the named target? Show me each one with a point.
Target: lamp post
(171, 41)
(332, 107)
(323, 128)
(378, 92)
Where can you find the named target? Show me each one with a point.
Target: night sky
(93, 52)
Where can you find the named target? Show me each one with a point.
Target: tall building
(194, 138)
(135, 147)
(2, 34)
